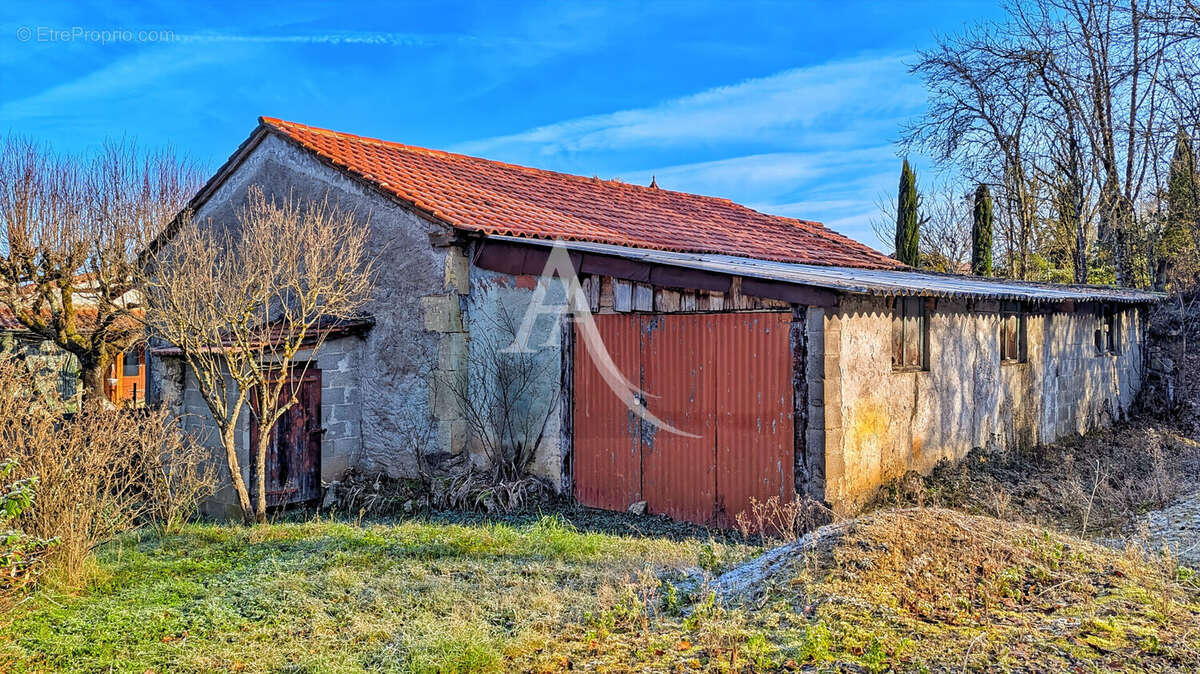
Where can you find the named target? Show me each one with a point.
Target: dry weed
(779, 521)
(99, 472)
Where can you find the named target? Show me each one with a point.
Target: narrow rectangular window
(910, 334)
(1106, 331)
(131, 362)
(1012, 332)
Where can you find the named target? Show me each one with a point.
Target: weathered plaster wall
(879, 424)
(395, 398)
(494, 313)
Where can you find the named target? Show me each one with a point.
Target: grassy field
(910, 590)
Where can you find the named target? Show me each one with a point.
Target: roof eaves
(878, 282)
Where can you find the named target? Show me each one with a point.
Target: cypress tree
(1183, 188)
(907, 234)
(981, 233)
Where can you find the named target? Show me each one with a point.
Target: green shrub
(21, 555)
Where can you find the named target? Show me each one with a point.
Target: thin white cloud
(818, 104)
(816, 142)
(766, 177)
(126, 76)
(382, 39)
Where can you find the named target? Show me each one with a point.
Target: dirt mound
(943, 578)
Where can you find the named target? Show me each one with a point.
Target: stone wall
(371, 420)
(53, 367)
(879, 423)
(340, 363)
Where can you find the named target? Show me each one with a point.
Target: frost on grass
(935, 587)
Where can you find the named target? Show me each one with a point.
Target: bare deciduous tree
(1063, 106)
(945, 219)
(249, 304)
(506, 395)
(71, 229)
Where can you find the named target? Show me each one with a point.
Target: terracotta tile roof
(9, 322)
(272, 334)
(85, 316)
(492, 197)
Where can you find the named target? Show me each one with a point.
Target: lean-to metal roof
(880, 282)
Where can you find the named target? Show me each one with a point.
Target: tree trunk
(260, 483)
(93, 376)
(229, 440)
(1124, 266)
(1081, 244)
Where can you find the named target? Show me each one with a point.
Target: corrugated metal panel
(607, 450)
(755, 439)
(724, 379)
(863, 281)
(679, 374)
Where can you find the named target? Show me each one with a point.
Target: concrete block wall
(814, 370)
(879, 424)
(340, 362)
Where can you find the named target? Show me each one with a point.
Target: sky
(792, 108)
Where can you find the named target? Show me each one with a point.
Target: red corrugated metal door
(755, 439)
(725, 380)
(679, 477)
(608, 460)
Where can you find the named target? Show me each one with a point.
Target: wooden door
(293, 462)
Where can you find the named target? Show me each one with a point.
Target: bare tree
(978, 117)
(249, 304)
(71, 229)
(1064, 102)
(506, 395)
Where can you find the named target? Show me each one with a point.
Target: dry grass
(1095, 485)
(777, 521)
(936, 588)
(909, 590)
(99, 472)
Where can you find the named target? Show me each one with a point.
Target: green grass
(909, 591)
(332, 597)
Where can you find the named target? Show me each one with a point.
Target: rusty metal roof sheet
(884, 282)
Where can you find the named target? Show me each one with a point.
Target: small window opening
(910, 334)
(131, 362)
(1106, 331)
(1012, 332)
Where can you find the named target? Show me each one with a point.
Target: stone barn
(744, 355)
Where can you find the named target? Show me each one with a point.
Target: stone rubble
(1177, 528)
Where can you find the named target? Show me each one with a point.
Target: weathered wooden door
(293, 465)
(724, 381)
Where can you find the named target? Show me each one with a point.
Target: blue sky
(789, 107)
